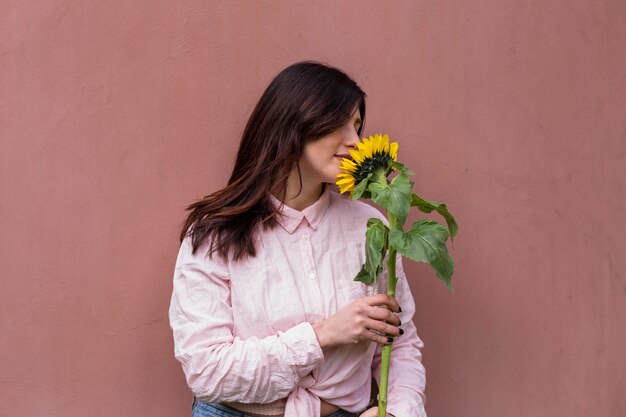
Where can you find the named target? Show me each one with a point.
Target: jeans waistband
(219, 410)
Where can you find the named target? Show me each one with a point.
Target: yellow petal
(370, 143)
(366, 148)
(356, 155)
(345, 181)
(393, 150)
(348, 165)
(384, 145)
(379, 143)
(344, 188)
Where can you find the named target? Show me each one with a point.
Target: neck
(299, 199)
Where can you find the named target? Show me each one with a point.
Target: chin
(331, 178)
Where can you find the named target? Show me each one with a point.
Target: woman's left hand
(373, 412)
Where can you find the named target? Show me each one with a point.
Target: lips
(342, 156)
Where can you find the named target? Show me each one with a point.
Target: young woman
(266, 317)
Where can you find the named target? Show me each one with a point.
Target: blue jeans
(201, 409)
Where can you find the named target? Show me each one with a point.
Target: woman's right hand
(357, 322)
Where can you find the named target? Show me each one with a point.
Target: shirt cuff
(403, 403)
(304, 348)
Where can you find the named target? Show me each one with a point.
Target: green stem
(380, 176)
(386, 349)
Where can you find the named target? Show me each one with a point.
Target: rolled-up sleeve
(217, 365)
(407, 375)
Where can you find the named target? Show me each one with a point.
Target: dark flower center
(369, 165)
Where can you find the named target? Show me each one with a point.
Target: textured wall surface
(115, 115)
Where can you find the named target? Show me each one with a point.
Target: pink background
(115, 115)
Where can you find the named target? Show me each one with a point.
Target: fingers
(384, 328)
(364, 320)
(382, 323)
(383, 299)
(378, 338)
(384, 315)
(368, 329)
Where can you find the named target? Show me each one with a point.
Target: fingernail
(400, 308)
(401, 331)
(399, 322)
(390, 339)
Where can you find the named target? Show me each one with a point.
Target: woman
(266, 317)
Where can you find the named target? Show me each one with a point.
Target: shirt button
(311, 275)
(305, 236)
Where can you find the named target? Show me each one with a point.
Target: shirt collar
(290, 218)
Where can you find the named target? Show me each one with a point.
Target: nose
(351, 139)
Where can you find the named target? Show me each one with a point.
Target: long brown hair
(304, 102)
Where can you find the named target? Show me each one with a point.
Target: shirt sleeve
(407, 375)
(217, 365)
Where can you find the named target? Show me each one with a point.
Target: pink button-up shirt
(242, 330)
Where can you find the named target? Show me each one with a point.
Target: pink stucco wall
(114, 115)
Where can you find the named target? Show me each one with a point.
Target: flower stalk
(386, 349)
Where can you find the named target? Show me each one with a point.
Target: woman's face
(321, 158)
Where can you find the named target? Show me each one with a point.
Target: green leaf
(360, 188)
(375, 245)
(427, 206)
(402, 168)
(364, 276)
(395, 197)
(425, 242)
(375, 250)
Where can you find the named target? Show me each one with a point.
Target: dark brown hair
(305, 101)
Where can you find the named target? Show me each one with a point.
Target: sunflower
(371, 155)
